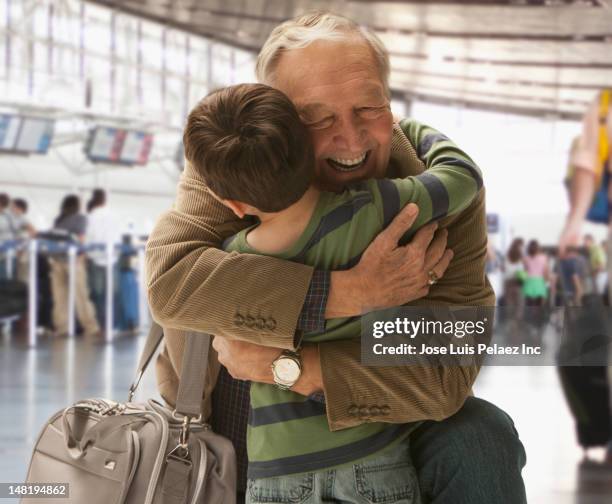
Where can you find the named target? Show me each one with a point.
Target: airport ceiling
(533, 57)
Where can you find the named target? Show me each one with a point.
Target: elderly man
(466, 450)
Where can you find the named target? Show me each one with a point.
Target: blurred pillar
(33, 293)
(143, 312)
(7, 42)
(82, 41)
(187, 90)
(72, 256)
(50, 40)
(113, 54)
(209, 66)
(108, 334)
(139, 62)
(164, 69)
(408, 106)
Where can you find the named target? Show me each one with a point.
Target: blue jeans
(386, 477)
(472, 457)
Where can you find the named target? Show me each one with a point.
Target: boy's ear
(238, 207)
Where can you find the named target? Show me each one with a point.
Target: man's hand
(387, 274)
(570, 236)
(246, 361)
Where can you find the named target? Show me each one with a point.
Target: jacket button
(375, 411)
(353, 410)
(385, 410)
(364, 411)
(271, 323)
(249, 321)
(238, 319)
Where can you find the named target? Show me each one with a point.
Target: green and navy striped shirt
(287, 432)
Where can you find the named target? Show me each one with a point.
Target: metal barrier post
(72, 256)
(10, 262)
(108, 336)
(33, 292)
(143, 312)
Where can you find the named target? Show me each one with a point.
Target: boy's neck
(278, 231)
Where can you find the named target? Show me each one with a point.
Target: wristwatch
(287, 368)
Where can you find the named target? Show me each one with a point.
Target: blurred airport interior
(94, 96)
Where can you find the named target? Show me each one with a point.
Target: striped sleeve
(449, 184)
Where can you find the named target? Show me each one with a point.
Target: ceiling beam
(538, 112)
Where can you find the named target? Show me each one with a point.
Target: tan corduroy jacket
(193, 285)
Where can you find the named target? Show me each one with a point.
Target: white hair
(303, 30)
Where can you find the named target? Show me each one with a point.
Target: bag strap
(193, 374)
(193, 370)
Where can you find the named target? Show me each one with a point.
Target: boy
(250, 147)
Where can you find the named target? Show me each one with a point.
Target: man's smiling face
(336, 87)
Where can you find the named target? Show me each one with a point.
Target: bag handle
(193, 370)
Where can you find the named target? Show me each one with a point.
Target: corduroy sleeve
(194, 285)
(411, 393)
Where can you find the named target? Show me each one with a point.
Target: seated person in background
(249, 145)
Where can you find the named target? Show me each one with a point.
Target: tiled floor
(34, 383)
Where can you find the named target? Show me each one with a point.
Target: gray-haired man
(466, 450)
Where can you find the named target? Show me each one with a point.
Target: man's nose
(350, 135)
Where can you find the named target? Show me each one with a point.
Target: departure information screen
(116, 145)
(26, 135)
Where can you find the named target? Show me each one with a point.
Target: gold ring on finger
(433, 278)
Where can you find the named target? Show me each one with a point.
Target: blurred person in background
(597, 261)
(535, 288)
(23, 227)
(591, 161)
(7, 232)
(13, 226)
(513, 300)
(25, 230)
(102, 229)
(494, 267)
(6, 221)
(71, 221)
(573, 274)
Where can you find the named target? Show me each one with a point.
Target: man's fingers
(399, 225)
(423, 236)
(440, 268)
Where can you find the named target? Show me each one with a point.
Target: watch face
(287, 370)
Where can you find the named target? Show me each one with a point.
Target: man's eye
(323, 123)
(372, 112)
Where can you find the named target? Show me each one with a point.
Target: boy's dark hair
(249, 145)
(4, 200)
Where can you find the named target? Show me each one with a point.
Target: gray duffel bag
(139, 453)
